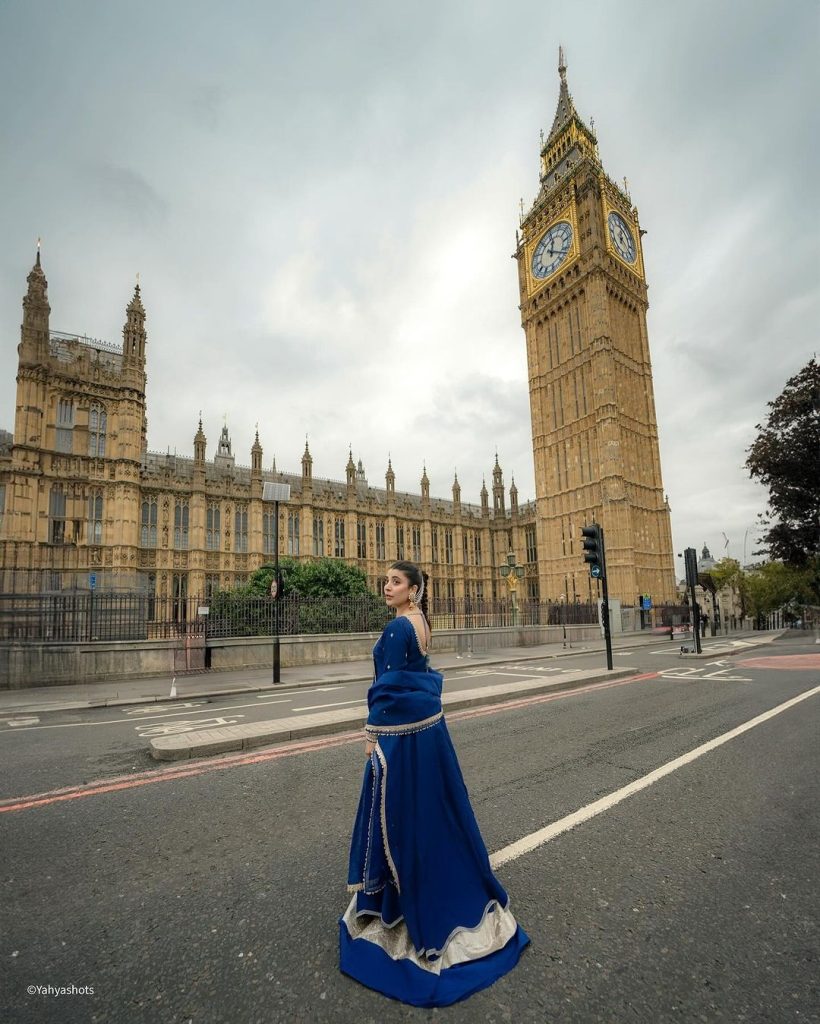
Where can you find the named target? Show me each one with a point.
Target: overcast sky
(321, 201)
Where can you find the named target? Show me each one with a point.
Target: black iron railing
(84, 616)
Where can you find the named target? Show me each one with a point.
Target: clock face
(621, 237)
(552, 250)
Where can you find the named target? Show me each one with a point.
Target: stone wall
(26, 665)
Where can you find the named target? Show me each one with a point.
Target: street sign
(646, 602)
(595, 572)
(92, 581)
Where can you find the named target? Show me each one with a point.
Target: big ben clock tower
(594, 430)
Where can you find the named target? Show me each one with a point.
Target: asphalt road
(46, 750)
(211, 892)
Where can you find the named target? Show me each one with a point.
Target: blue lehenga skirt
(428, 923)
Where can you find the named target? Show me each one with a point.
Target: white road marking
(15, 723)
(544, 835)
(701, 673)
(151, 709)
(315, 707)
(172, 728)
(130, 721)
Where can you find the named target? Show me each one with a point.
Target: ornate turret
(390, 478)
(224, 459)
(256, 458)
(425, 485)
(498, 488)
(350, 470)
(513, 497)
(307, 466)
(456, 493)
(133, 333)
(199, 444)
(360, 476)
(485, 502)
(34, 331)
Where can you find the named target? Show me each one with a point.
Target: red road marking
(796, 662)
(187, 770)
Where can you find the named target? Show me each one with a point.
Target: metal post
(690, 560)
(605, 615)
(277, 665)
(275, 492)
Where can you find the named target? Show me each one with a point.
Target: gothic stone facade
(594, 430)
(80, 494)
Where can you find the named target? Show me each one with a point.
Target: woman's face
(397, 588)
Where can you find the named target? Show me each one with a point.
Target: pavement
(205, 742)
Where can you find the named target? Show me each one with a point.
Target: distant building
(706, 562)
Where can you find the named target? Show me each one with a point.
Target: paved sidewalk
(214, 684)
(205, 742)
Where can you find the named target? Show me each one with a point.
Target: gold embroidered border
(493, 932)
(402, 730)
(388, 854)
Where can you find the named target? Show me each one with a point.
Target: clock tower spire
(583, 309)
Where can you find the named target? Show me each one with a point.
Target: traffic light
(593, 544)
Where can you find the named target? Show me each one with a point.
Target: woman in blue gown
(428, 923)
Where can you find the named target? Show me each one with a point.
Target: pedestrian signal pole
(595, 557)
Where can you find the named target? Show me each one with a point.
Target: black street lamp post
(512, 572)
(276, 492)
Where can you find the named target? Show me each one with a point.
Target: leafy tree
(785, 457)
(313, 601)
(726, 571)
(325, 577)
(773, 585)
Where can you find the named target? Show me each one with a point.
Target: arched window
(240, 533)
(213, 527)
(148, 525)
(97, 420)
(293, 533)
(181, 516)
(95, 516)
(56, 515)
(65, 425)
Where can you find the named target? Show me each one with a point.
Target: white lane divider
(315, 707)
(544, 835)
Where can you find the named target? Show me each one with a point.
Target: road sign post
(690, 560)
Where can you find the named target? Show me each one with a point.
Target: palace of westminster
(80, 494)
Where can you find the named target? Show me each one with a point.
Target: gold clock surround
(632, 224)
(535, 284)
